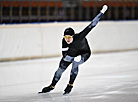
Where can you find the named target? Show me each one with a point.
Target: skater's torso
(79, 46)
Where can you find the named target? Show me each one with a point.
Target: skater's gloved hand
(78, 58)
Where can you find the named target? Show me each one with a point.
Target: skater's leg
(75, 69)
(62, 67)
(57, 76)
(64, 63)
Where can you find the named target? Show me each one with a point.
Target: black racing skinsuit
(79, 46)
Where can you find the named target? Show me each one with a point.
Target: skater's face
(68, 39)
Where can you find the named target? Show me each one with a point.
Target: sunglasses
(67, 37)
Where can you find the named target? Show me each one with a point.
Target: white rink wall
(26, 41)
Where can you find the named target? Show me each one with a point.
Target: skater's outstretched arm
(93, 23)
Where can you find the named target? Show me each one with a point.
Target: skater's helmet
(69, 31)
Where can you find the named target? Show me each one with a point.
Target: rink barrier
(27, 58)
(30, 41)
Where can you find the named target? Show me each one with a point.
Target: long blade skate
(42, 92)
(68, 89)
(46, 89)
(65, 93)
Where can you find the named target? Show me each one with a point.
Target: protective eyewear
(67, 37)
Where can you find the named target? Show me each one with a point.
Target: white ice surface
(108, 77)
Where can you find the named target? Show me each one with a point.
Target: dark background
(27, 11)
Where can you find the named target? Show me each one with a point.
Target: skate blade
(42, 92)
(65, 94)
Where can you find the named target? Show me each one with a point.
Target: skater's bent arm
(64, 53)
(64, 48)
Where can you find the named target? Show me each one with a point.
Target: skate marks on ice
(125, 91)
(34, 97)
(115, 92)
(112, 92)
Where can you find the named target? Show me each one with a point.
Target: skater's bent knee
(68, 58)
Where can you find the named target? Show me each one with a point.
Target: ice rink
(105, 77)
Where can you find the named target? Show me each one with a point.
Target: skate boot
(68, 89)
(47, 89)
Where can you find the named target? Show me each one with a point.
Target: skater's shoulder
(76, 36)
